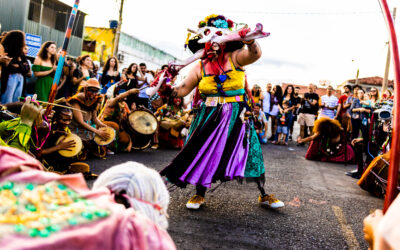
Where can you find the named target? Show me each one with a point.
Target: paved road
(324, 208)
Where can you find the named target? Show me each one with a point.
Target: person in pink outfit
(43, 210)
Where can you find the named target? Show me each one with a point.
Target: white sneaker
(195, 202)
(270, 201)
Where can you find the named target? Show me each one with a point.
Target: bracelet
(248, 42)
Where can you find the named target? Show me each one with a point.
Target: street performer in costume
(50, 155)
(115, 112)
(222, 145)
(17, 132)
(328, 142)
(83, 123)
(172, 119)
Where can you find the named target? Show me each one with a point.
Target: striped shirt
(328, 101)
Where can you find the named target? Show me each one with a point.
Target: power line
(323, 13)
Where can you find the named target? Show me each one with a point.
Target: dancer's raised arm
(249, 55)
(188, 84)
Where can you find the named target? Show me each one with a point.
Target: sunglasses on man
(93, 90)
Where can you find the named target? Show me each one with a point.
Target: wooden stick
(60, 65)
(62, 99)
(59, 105)
(145, 87)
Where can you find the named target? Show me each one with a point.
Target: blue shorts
(266, 116)
(282, 129)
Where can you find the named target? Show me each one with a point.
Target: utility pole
(386, 76)
(118, 32)
(358, 73)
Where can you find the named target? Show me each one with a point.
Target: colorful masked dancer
(222, 144)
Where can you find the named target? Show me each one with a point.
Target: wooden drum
(110, 131)
(141, 125)
(73, 151)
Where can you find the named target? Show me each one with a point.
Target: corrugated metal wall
(13, 14)
(48, 34)
(145, 50)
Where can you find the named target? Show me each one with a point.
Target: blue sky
(311, 40)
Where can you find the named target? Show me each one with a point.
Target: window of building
(55, 15)
(34, 10)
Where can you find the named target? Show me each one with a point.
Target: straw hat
(91, 83)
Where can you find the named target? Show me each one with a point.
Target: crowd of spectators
(357, 112)
(127, 204)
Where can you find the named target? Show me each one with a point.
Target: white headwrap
(143, 186)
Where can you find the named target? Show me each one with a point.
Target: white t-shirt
(266, 101)
(150, 79)
(328, 101)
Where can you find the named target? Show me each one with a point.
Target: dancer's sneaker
(195, 202)
(270, 201)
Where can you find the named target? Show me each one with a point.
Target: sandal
(90, 176)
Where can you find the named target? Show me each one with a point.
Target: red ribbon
(391, 190)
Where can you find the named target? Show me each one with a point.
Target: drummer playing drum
(115, 113)
(49, 154)
(173, 119)
(61, 147)
(84, 121)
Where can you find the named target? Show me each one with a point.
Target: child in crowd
(260, 123)
(283, 122)
(366, 103)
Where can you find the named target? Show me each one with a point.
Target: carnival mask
(208, 33)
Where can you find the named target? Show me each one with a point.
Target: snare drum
(141, 125)
(73, 151)
(110, 131)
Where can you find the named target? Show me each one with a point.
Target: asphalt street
(324, 207)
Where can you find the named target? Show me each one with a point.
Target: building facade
(99, 43)
(46, 19)
(368, 82)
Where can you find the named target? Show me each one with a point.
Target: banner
(34, 43)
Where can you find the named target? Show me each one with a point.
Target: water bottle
(365, 121)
